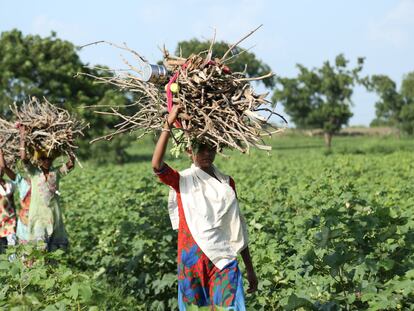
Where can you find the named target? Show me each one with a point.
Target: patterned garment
(201, 285)
(7, 211)
(45, 216)
(23, 187)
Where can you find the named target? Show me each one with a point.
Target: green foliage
(320, 97)
(330, 232)
(394, 108)
(39, 67)
(407, 119)
(34, 280)
(389, 105)
(35, 66)
(122, 232)
(327, 232)
(246, 60)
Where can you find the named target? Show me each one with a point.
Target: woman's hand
(251, 275)
(71, 162)
(22, 128)
(253, 282)
(173, 115)
(69, 165)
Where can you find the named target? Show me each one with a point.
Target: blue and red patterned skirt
(201, 285)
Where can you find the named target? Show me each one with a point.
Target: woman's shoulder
(185, 172)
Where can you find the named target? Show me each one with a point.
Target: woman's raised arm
(161, 146)
(3, 166)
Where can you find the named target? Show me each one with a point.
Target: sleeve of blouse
(17, 180)
(21, 185)
(169, 176)
(12, 186)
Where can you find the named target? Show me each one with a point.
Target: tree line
(31, 65)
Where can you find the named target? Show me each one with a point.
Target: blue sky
(297, 31)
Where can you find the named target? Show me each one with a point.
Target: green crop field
(328, 231)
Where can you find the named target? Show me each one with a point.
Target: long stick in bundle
(219, 106)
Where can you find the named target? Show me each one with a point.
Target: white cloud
(396, 27)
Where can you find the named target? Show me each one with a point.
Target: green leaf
(85, 292)
(296, 302)
(74, 291)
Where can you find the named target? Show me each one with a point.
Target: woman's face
(204, 157)
(45, 162)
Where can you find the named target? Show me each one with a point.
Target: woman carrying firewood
(45, 223)
(22, 185)
(7, 210)
(211, 229)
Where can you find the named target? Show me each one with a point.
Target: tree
(320, 97)
(244, 60)
(35, 66)
(407, 110)
(394, 108)
(389, 105)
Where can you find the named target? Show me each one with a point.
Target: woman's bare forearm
(22, 148)
(160, 148)
(251, 275)
(3, 165)
(247, 259)
(10, 173)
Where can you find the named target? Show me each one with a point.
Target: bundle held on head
(9, 142)
(219, 107)
(48, 130)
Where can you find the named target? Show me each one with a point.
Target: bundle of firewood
(219, 107)
(48, 129)
(9, 142)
